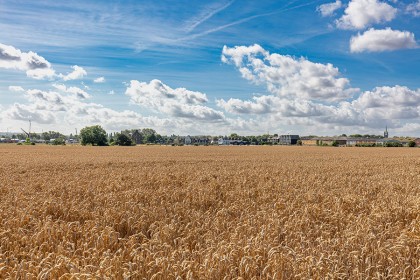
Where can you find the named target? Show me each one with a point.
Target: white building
(187, 140)
(223, 141)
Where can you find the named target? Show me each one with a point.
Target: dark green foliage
(151, 138)
(392, 144)
(411, 143)
(59, 141)
(356, 135)
(123, 140)
(51, 135)
(93, 135)
(366, 145)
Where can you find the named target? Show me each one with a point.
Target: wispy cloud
(246, 19)
(16, 88)
(414, 8)
(208, 13)
(139, 26)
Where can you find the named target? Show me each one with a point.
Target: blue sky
(211, 67)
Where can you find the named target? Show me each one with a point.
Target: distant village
(149, 136)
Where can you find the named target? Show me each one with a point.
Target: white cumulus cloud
(99, 80)
(178, 102)
(33, 64)
(287, 76)
(329, 8)
(67, 108)
(382, 40)
(362, 13)
(63, 109)
(371, 109)
(74, 90)
(269, 104)
(389, 97)
(29, 112)
(77, 73)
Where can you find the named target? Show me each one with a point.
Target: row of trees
(97, 136)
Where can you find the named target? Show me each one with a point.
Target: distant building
(187, 140)
(362, 141)
(201, 140)
(288, 139)
(223, 141)
(137, 137)
(309, 141)
(284, 139)
(386, 142)
(238, 142)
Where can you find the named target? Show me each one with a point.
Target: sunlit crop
(150, 212)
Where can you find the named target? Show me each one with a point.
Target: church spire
(386, 132)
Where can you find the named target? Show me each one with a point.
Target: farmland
(209, 212)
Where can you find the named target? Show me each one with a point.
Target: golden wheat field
(151, 212)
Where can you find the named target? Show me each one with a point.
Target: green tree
(59, 141)
(356, 135)
(148, 131)
(21, 136)
(253, 140)
(393, 144)
(151, 138)
(52, 135)
(234, 136)
(159, 139)
(411, 143)
(94, 135)
(123, 140)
